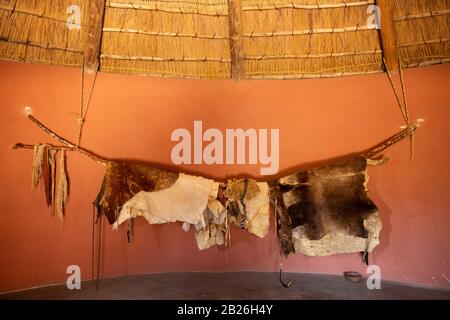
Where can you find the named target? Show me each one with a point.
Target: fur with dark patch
(123, 180)
(326, 199)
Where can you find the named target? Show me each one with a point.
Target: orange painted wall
(133, 117)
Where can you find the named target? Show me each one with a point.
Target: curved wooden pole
(377, 149)
(369, 153)
(68, 143)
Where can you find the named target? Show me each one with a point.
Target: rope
(99, 252)
(405, 104)
(80, 119)
(397, 96)
(83, 111)
(93, 242)
(402, 82)
(402, 103)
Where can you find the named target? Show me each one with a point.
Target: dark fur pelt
(284, 221)
(125, 179)
(324, 199)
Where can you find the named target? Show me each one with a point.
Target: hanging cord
(93, 242)
(84, 110)
(402, 106)
(405, 103)
(99, 252)
(80, 116)
(402, 82)
(402, 103)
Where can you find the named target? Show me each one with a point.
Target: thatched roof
(279, 39)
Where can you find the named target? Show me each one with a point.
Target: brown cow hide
(185, 200)
(123, 180)
(326, 210)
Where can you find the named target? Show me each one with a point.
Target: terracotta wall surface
(133, 117)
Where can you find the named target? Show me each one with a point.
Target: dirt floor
(230, 285)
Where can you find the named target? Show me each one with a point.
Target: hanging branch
(31, 146)
(369, 153)
(69, 145)
(377, 149)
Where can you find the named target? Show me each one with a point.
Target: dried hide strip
(52, 162)
(38, 159)
(44, 168)
(326, 210)
(63, 186)
(43, 164)
(248, 205)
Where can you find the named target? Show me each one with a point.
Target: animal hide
(123, 180)
(63, 186)
(44, 168)
(213, 234)
(326, 210)
(185, 200)
(215, 216)
(248, 205)
(52, 162)
(38, 156)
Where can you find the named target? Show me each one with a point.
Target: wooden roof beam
(96, 11)
(388, 34)
(236, 41)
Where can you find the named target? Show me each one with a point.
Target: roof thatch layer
(281, 39)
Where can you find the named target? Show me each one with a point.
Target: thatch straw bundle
(191, 38)
(166, 42)
(36, 31)
(423, 31)
(303, 42)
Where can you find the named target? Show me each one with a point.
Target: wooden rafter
(236, 41)
(94, 35)
(387, 33)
